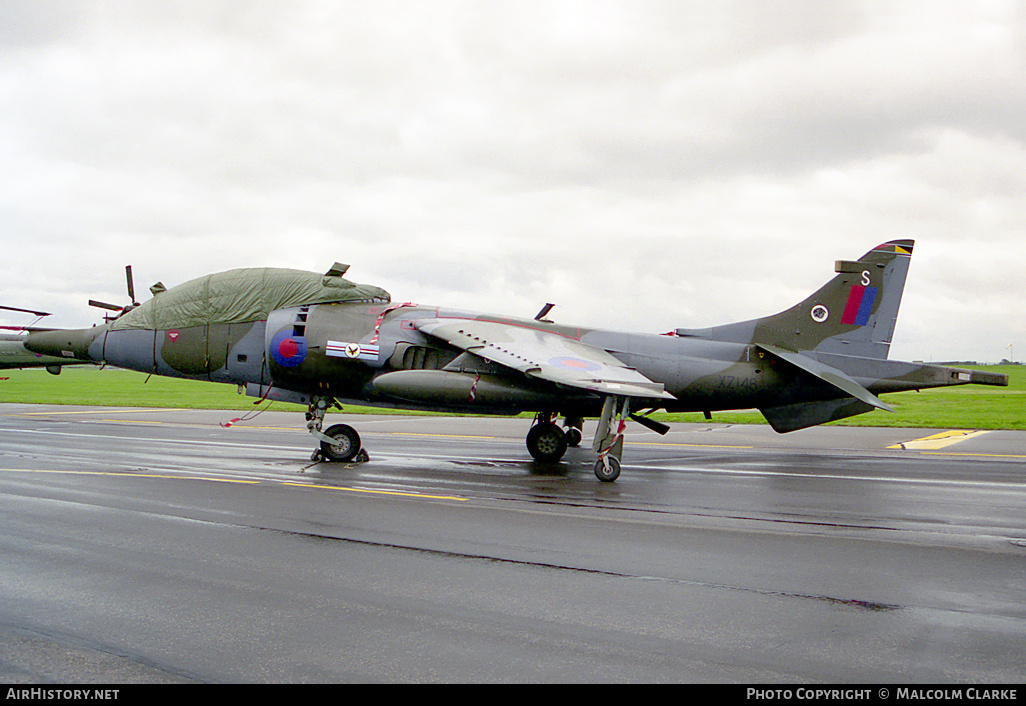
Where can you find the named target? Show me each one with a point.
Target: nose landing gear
(339, 443)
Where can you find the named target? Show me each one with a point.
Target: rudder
(852, 314)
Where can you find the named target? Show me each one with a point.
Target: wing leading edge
(544, 355)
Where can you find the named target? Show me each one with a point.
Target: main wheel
(574, 437)
(607, 470)
(346, 445)
(546, 442)
(574, 431)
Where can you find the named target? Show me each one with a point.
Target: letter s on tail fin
(852, 314)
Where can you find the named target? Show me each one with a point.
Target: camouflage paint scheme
(321, 340)
(13, 354)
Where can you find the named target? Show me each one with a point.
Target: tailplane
(830, 350)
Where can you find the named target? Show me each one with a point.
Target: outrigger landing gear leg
(339, 443)
(609, 437)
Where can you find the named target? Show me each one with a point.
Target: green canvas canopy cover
(241, 296)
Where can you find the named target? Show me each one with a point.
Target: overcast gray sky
(644, 165)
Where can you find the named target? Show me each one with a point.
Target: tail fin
(852, 314)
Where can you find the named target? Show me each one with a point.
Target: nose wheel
(339, 443)
(345, 446)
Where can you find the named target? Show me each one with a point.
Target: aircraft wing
(545, 355)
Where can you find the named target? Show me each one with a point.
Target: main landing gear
(548, 443)
(546, 440)
(339, 443)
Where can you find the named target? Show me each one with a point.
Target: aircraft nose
(67, 343)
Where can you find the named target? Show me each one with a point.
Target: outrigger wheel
(609, 437)
(607, 469)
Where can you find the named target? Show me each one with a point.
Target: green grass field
(963, 407)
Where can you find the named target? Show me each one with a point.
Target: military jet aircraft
(13, 353)
(322, 341)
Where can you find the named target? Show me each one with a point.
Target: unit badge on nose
(354, 351)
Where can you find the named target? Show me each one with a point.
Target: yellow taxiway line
(121, 474)
(938, 441)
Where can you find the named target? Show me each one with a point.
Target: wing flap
(545, 355)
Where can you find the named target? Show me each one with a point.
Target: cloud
(646, 165)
